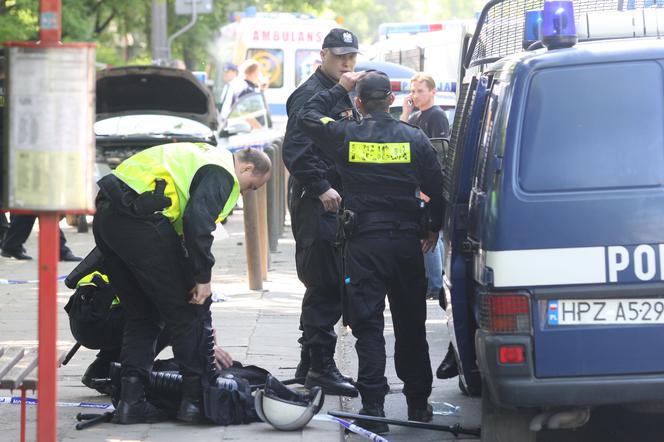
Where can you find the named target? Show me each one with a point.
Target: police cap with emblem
(374, 85)
(340, 42)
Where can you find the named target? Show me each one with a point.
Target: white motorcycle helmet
(286, 409)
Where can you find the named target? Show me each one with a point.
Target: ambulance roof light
(558, 27)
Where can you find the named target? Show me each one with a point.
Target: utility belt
(355, 223)
(129, 202)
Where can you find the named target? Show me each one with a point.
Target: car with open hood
(143, 106)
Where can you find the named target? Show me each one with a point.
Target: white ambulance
(287, 46)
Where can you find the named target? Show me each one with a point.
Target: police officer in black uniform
(383, 164)
(316, 189)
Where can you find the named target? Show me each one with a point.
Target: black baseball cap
(341, 41)
(374, 85)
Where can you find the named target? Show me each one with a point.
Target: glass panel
(594, 127)
(271, 64)
(250, 108)
(306, 63)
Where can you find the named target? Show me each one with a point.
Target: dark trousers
(317, 260)
(145, 261)
(19, 231)
(106, 335)
(388, 263)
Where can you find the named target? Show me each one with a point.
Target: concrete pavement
(258, 328)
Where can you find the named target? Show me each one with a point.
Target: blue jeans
(433, 265)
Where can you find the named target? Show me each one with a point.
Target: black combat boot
(419, 409)
(98, 370)
(372, 409)
(325, 374)
(303, 365)
(191, 405)
(305, 361)
(133, 408)
(448, 368)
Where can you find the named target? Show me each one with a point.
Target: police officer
(315, 190)
(154, 223)
(383, 164)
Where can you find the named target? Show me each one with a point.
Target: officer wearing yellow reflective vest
(383, 164)
(154, 223)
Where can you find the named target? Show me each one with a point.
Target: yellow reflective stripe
(378, 153)
(326, 120)
(87, 279)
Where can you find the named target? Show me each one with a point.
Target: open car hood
(135, 90)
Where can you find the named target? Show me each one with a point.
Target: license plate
(605, 311)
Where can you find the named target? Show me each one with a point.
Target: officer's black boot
(99, 369)
(305, 362)
(303, 365)
(419, 409)
(325, 374)
(133, 408)
(448, 368)
(372, 409)
(191, 405)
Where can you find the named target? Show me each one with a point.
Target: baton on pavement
(454, 429)
(88, 420)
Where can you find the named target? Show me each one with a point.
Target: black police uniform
(316, 256)
(153, 272)
(382, 163)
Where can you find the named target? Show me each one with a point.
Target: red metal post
(22, 414)
(50, 25)
(48, 283)
(50, 21)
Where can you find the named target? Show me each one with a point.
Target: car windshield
(137, 125)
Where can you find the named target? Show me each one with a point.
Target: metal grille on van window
(464, 106)
(499, 29)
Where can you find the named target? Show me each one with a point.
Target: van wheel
(505, 425)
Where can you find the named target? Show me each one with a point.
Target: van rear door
(586, 204)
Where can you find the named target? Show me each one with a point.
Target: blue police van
(554, 227)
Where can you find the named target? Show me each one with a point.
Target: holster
(127, 201)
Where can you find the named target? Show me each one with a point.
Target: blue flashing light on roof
(532, 30)
(558, 27)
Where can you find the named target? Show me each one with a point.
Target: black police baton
(454, 429)
(89, 419)
(71, 353)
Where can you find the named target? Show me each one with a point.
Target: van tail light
(512, 354)
(505, 312)
(396, 85)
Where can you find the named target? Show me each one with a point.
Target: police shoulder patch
(378, 153)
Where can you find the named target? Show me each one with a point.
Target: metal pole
(188, 26)
(159, 30)
(252, 240)
(262, 233)
(47, 334)
(50, 23)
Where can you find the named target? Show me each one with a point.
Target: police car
(554, 227)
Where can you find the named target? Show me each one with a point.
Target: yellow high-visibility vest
(177, 164)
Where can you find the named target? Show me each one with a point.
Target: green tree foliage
(121, 28)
